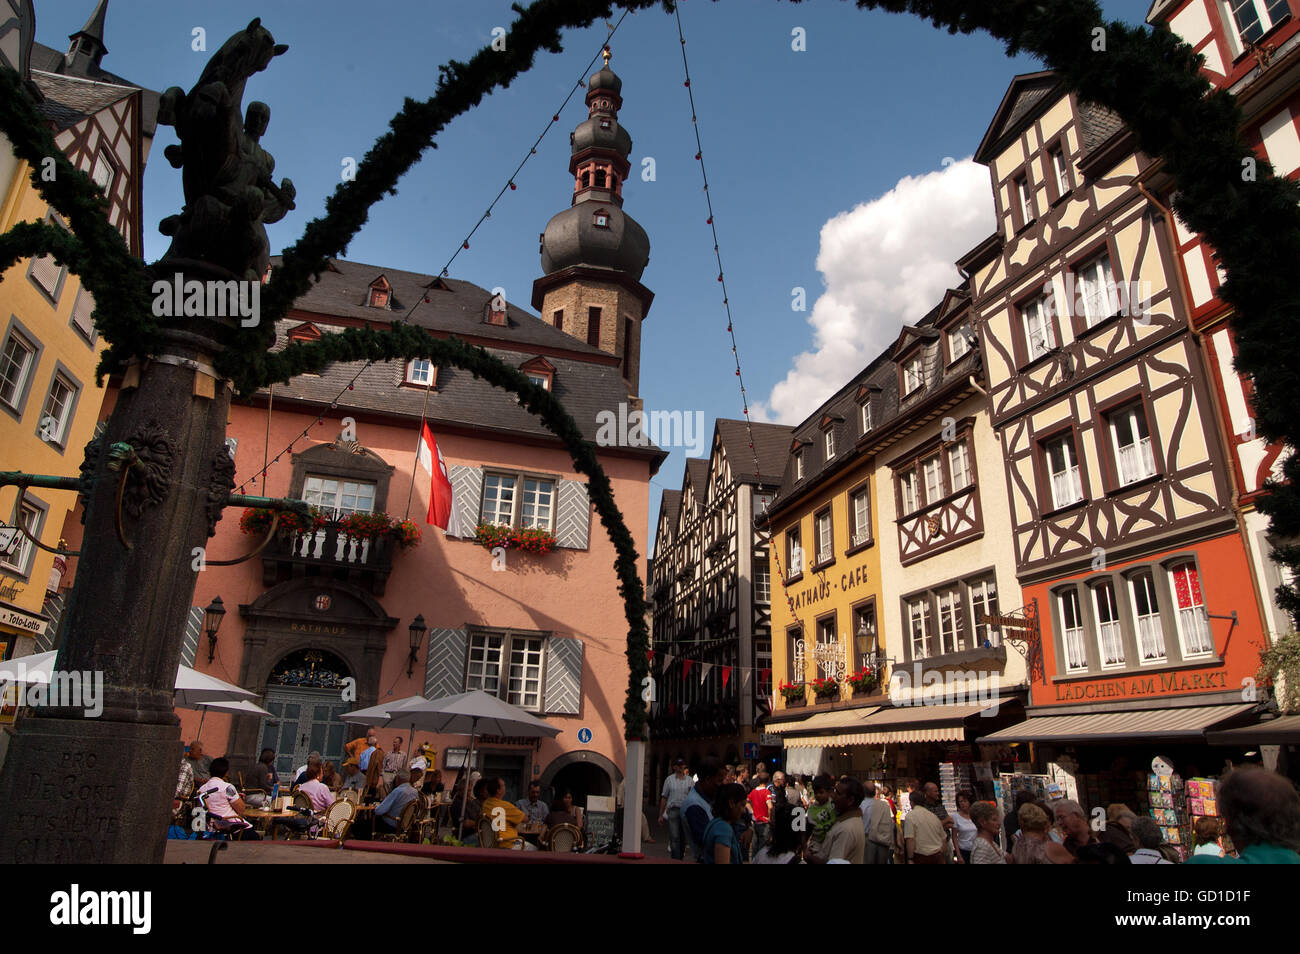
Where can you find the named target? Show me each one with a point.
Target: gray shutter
(466, 494)
(573, 515)
(564, 675)
(444, 671)
(54, 606)
(193, 629)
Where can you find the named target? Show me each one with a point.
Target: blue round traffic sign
(584, 735)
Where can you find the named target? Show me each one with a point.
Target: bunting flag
(744, 677)
(767, 675)
(686, 667)
(650, 655)
(726, 676)
(704, 672)
(668, 660)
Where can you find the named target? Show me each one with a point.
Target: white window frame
(104, 161)
(543, 381)
(830, 442)
(825, 537)
(951, 620)
(827, 635)
(57, 434)
(502, 508)
(25, 371)
(793, 553)
(1024, 197)
(1066, 484)
(1060, 169)
(907, 491)
(798, 465)
(20, 561)
(1073, 644)
(537, 504)
(1040, 336)
(866, 415)
(1150, 627)
(526, 673)
(918, 625)
(1095, 281)
(959, 456)
(958, 343)
(983, 594)
(1135, 461)
(913, 375)
(1195, 637)
(1227, 10)
(932, 478)
(860, 516)
(334, 503)
(421, 372)
(762, 584)
(1110, 632)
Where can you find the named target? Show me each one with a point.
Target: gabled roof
(49, 60)
(770, 446)
(1027, 91)
(70, 99)
(670, 504)
(911, 335)
(697, 472)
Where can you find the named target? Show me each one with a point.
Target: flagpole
(419, 439)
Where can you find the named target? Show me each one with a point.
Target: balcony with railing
(333, 552)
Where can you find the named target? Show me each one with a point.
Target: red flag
(440, 483)
(686, 667)
(726, 676)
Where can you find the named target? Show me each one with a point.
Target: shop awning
(804, 761)
(823, 722)
(1281, 731)
(1185, 723)
(915, 724)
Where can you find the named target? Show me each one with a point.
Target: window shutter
(564, 675)
(81, 313)
(444, 671)
(53, 608)
(45, 272)
(573, 518)
(193, 629)
(466, 494)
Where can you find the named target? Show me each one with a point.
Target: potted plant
(365, 526)
(533, 540)
(825, 688)
(793, 693)
(406, 533)
(256, 521)
(864, 681)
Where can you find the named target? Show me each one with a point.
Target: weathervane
(605, 54)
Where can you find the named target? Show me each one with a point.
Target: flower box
(256, 521)
(825, 689)
(864, 682)
(794, 693)
(491, 536)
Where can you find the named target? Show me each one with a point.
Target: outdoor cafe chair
(404, 823)
(565, 838)
(338, 819)
(487, 835)
(300, 800)
(350, 795)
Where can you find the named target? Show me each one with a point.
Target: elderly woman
(1119, 828)
(1034, 847)
(985, 850)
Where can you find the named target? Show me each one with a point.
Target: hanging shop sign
(1139, 686)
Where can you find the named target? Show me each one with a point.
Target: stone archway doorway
(304, 698)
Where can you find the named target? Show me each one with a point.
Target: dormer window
(830, 442)
(601, 218)
(540, 372)
(959, 341)
(798, 465)
(866, 415)
(380, 293)
(913, 375)
(304, 332)
(421, 372)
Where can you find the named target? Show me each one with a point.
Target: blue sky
(827, 166)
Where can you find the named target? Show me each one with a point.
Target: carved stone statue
(229, 193)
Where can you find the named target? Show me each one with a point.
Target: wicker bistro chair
(405, 822)
(564, 838)
(300, 800)
(487, 835)
(350, 795)
(338, 819)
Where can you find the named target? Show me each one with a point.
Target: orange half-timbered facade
(1125, 537)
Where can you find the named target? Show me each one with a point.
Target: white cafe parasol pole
(469, 765)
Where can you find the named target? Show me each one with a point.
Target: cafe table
(267, 819)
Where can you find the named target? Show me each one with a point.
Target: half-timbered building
(1252, 50)
(711, 593)
(1125, 542)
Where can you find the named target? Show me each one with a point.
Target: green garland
(1149, 78)
(1282, 660)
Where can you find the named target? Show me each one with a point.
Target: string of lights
(726, 303)
(463, 246)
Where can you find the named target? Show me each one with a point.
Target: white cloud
(885, 264)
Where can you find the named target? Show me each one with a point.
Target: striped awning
(1282, 731)
(882, 726)
(1185, 723)
(823, 722)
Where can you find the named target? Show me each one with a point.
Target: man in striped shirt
(676, 787)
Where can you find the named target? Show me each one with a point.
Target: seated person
(503, 816)
(473, 806)
(352, 777)
(317, 793)
(533, 807)
(329, 777)
(433, 783)
(224, 805)
(389, 813)
(563, 813)
(300, 776)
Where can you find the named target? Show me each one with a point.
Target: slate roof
(70, 99)
(670, 504)
(344, 289)
(586, 388)
(1029, 93)
(697, 468)
(1097, 124)
(49, 60)
(771, 442)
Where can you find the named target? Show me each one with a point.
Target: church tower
(593, 253)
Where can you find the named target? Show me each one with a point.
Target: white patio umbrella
(471, 713)
(25, 670)
(387, 713)
(237, 706)
(194, 687)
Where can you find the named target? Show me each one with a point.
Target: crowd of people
(390, 780)
(724, 817)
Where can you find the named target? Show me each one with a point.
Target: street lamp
(866, 640)
(418, 629)
(212, 622)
